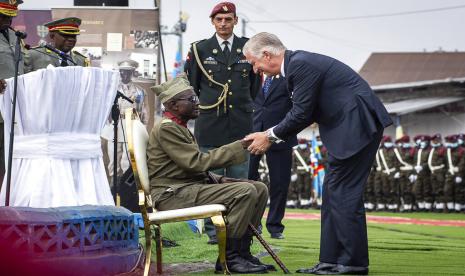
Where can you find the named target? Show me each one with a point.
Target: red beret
(451, 138)
(403, 139)
(386, 138)
(223, 7)
(303, 141)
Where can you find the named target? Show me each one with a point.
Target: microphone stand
(18, 58)
(115, 113)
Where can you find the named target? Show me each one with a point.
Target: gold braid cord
(224, 93)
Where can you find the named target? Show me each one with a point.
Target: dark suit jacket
(270, 110)
(216, 127)
(330, 93)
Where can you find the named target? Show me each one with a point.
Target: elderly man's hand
(260, 143)
(2, 86)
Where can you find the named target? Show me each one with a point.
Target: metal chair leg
(148, 248)
(159, 247)
(220, 226)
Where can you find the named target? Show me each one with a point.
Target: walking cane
(268, 248)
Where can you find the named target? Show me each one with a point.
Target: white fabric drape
(57, 160)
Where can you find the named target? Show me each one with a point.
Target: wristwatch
(270, 137)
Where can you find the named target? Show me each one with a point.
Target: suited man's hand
(2, 86)
(260, 143)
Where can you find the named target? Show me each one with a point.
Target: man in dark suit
(270, 107)
(351, 121)
(226, 85)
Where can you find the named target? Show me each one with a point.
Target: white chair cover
(57, 158)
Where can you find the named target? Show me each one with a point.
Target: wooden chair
(137, 138)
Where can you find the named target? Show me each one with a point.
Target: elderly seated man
(179, 176)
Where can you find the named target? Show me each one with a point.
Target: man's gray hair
(261, 42)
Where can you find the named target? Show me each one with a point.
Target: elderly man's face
(5, 22)
(224, 24)
(185, 105)
(267, 64)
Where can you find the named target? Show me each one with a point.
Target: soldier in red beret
(422, 185)
(437, 167)
(405, 154)
(455, 168)
(225, 84)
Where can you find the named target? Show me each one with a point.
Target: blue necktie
(267, 84)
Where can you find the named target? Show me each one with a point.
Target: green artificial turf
(394, 249)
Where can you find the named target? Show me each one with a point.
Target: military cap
(436, 136)
(9, 7)
(69, 25)
(386, 138)
(403, 139)
(303, 141)
(451, 138)
(128, 65)
(171, 88)
(223, 7)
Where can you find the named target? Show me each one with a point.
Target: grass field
(394, 249)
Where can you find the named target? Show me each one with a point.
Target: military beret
(171, 88)
(386, 138)
(223, 7)
(128, 65)
(9, 7)
(436, 136)
(69, 25)
(403, 139)
(451, 138)
(303, 141)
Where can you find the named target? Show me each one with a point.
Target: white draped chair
(57, 157)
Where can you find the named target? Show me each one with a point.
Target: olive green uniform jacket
(226, 123)
(40, 57)
(178, 177)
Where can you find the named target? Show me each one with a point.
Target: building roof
(418, 104)
(390, 68)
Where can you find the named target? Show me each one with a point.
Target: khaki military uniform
(304, 178)
(406, 169)
(7, 70)
(422, 187)
(369, 194)
(178, 178)
(41, 57)
(437, 167)
(460, 187)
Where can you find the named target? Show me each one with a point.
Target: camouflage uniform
(455, 163)
(405, 155)
(437, 167)
(386, 190)
(422, 185)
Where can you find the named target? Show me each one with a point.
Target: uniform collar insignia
(239, 50)
(215, 51)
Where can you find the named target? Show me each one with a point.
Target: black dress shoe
(213, 240)
(277, 235)
(317, 267)
(344, 270)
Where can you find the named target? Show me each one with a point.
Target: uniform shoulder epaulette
(166, 120)
(198, 41)
(79, 54)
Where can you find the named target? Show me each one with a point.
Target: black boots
(236, 263)
(246, 242)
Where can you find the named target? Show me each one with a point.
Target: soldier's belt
(224, 93)
(406, 168)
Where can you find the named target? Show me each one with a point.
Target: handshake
(256, 143)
